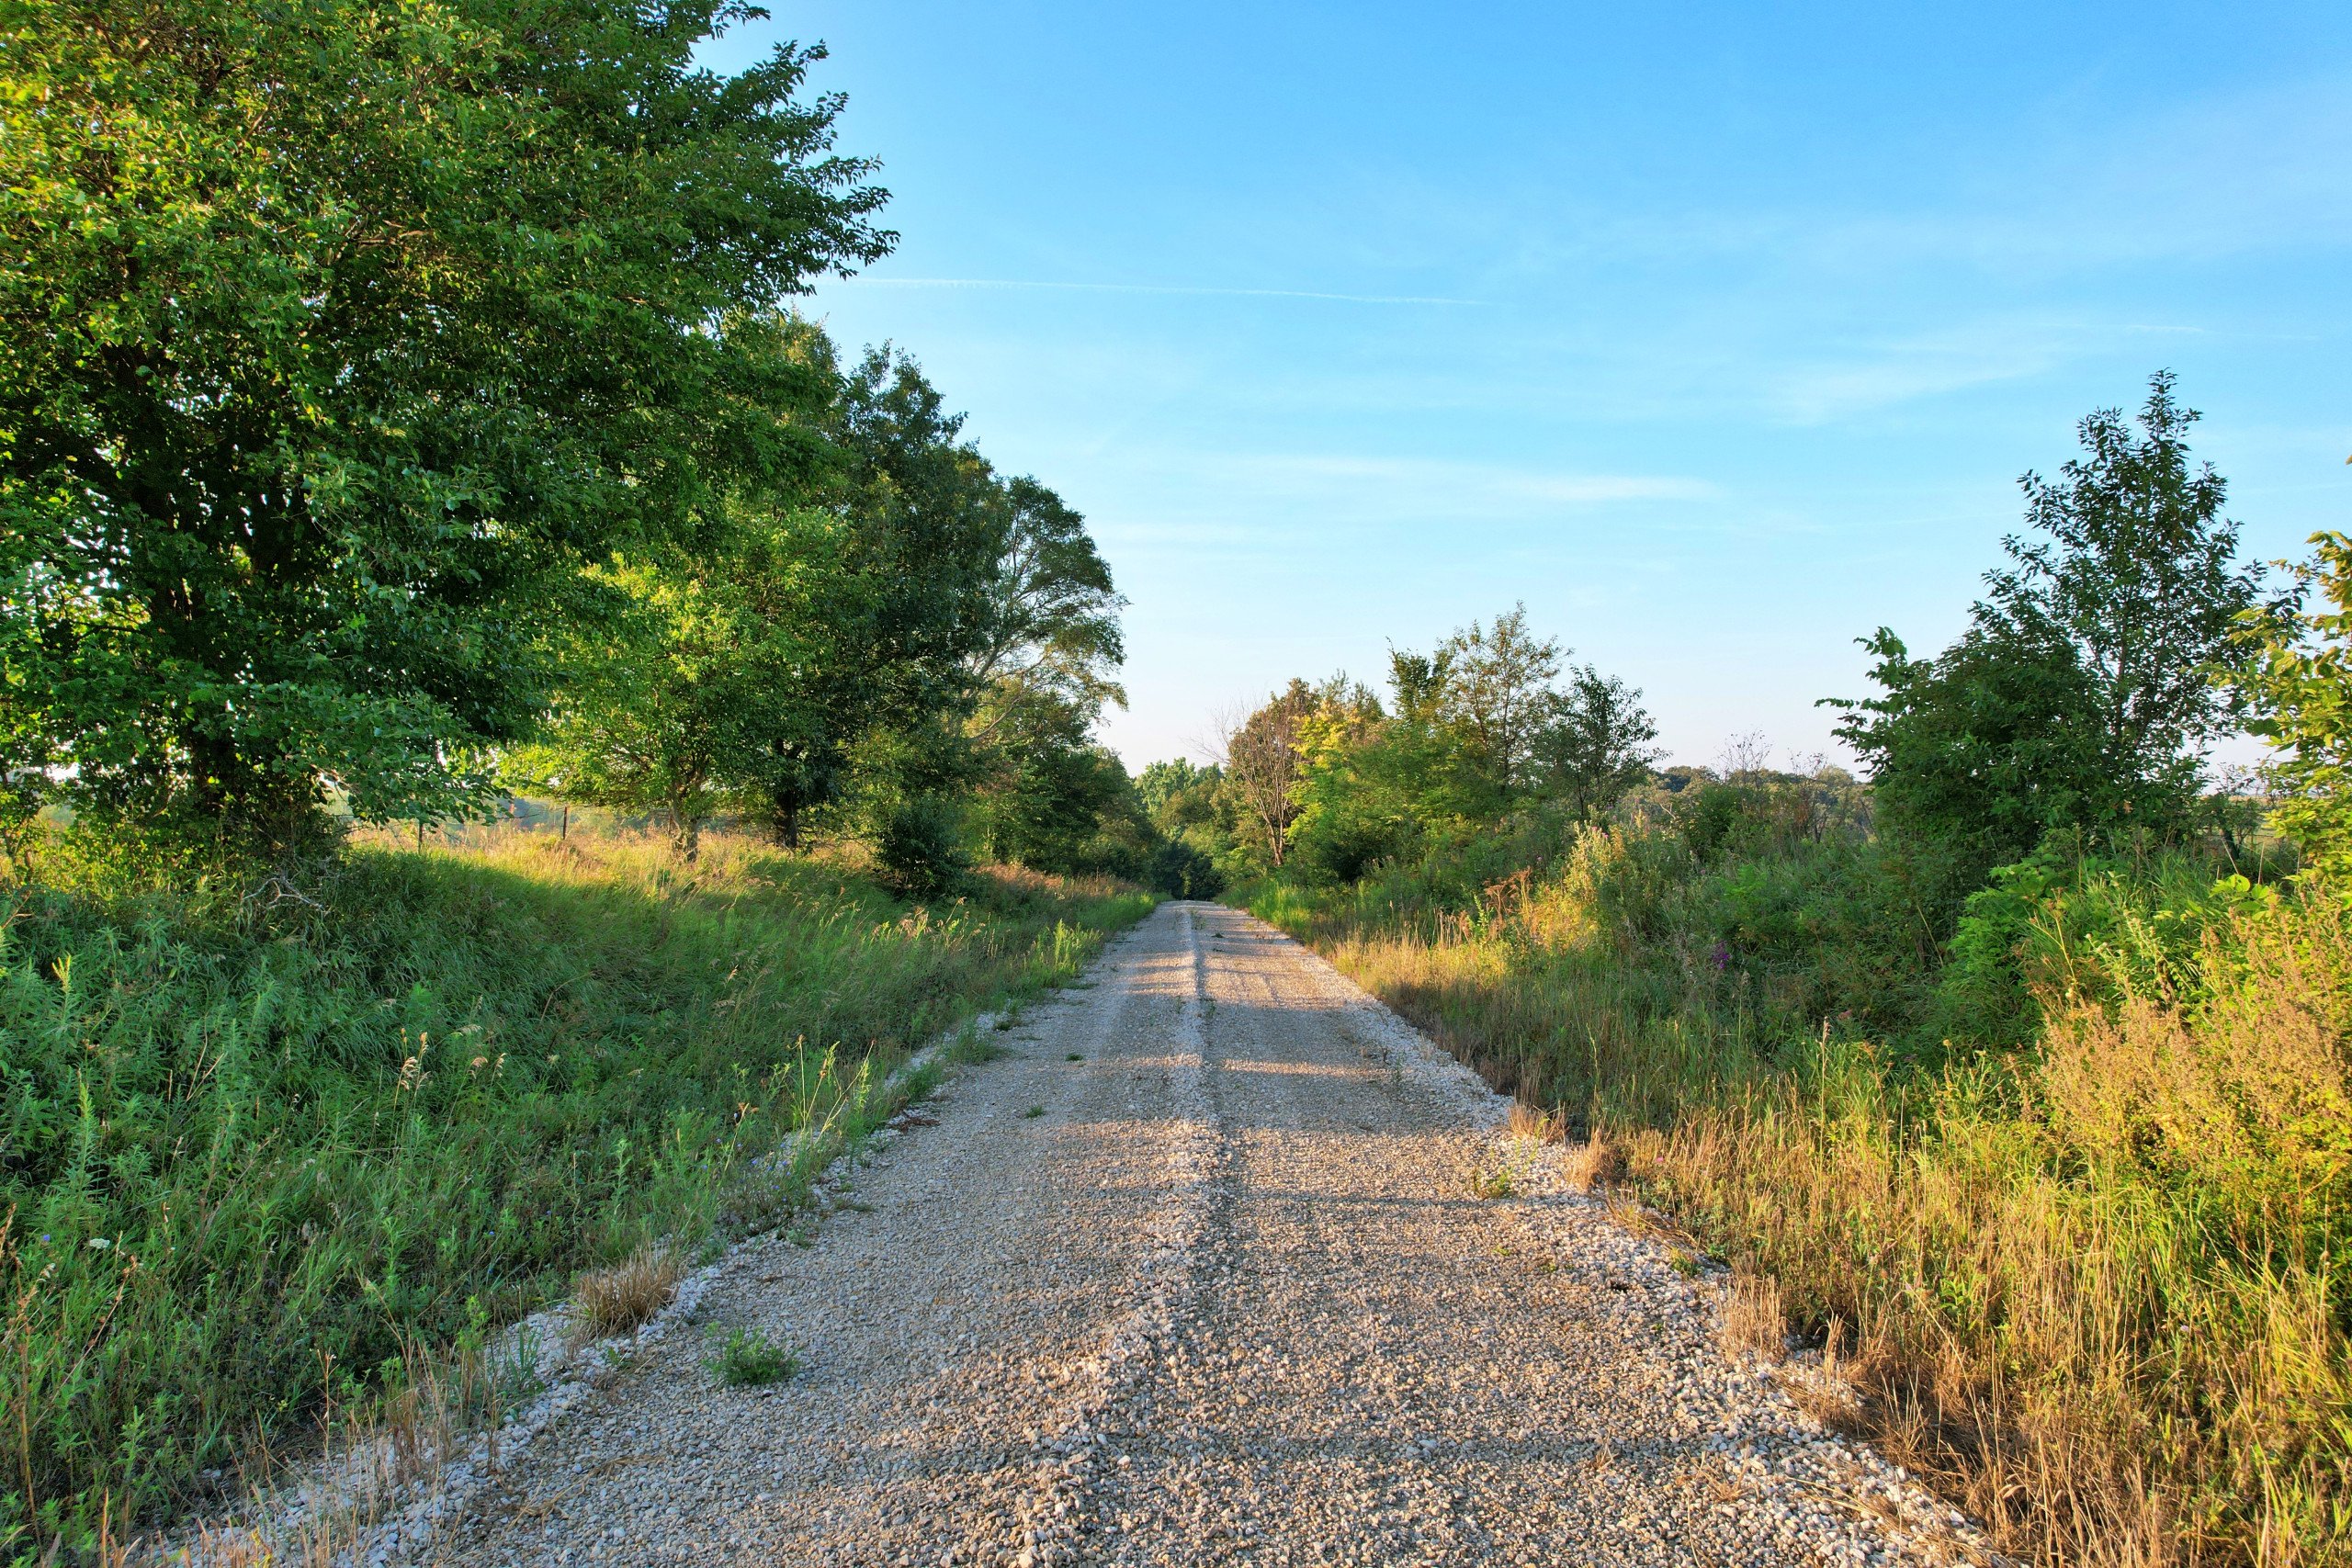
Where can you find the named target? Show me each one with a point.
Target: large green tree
(340, 335)
(2095, 672)
(679, 690)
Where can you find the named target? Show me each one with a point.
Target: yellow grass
(2096, 1293)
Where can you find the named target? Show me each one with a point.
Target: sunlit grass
(2096, 1288)
(257, 1158)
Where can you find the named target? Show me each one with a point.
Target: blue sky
(1717, 334)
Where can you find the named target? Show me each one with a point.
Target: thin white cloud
(1954, 359)
(1466, 482)
(1148, 289)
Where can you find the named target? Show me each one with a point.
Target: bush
(918, 845)
(1179, 871)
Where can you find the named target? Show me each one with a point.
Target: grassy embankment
(251, 1160)
(2093, 1281)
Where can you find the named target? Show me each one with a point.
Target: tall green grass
(252, 1159)
(2071, 1200)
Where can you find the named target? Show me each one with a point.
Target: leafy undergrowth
(2094, 1286)
(256, 1162)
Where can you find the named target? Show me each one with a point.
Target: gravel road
(1198, 1273)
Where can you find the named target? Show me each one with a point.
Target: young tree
(2084, 692)
(1264, 767)
(2136, 569)
(1496, 694)
(342, 333)
(1597, 744)
(2298, 683)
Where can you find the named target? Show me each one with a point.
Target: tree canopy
(342, 333)
(2095, 672)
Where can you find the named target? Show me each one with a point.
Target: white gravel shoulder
(1196, 1273)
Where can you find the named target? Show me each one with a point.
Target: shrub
(918, 845)
(749, 1358)
(1179, 871)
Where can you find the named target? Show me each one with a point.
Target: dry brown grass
(618, 1299)
(390, 1451)
(1537, 1126)
(1754, 1321)
(2098, 1300)
(1594, 1164)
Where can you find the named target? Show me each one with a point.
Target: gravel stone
(1231, 1298)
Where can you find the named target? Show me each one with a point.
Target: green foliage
(682, 690)
(918, 844)
(2135, 570)
(1981, 748)
(2084, 692)
(1178, 796)
(749, 1358)
(246, 1154)
(1179, 871)
(2299, 685)
(1264, 767)
(1051, 614)
(906, 639)
(1050, 799)
(1331, 783)
(1597, 744)
(447, 433)
(418, 324)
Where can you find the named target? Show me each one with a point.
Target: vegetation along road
(1221, 1261)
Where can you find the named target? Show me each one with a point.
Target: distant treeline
(2076, 712)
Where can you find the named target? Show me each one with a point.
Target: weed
(1035, 1110)
(1592, 1165)
(972, 1051)
(749, 1358)
(618, 1299)
(1537, 1126)
(1753, 1321)
(1492, 1182)
(1075, 1056)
